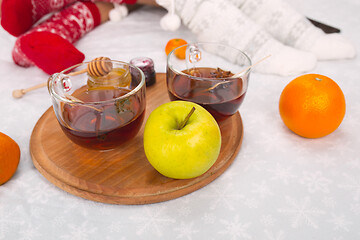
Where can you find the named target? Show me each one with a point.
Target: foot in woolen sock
(49, 52)
(18, 16)
(332, 46)
(49, 45)
(214, 21)
(290, 27)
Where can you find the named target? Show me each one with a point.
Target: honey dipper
(96, 68)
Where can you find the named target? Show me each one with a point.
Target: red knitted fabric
(49, 45)
(19, 15)
(49, 52)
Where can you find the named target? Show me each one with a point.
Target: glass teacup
(206, 76)
(99, 112)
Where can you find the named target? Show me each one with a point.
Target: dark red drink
(214, 89)
(102, 126)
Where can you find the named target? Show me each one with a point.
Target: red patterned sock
(49, 45)
(18, 16)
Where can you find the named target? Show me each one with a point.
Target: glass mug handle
(59, 83)
(193, 53)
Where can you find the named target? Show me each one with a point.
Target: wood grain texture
(123, 175)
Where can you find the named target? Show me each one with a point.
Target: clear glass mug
(206, 76)
(99, 112)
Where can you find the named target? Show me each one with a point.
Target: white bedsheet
(280, 186)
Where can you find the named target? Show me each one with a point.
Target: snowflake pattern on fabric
(301, 212)
(71, 23)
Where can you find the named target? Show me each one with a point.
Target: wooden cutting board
(123, 175)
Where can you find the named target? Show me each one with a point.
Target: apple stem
(183, 123)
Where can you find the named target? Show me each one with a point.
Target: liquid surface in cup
(221, 98)
(103, 126)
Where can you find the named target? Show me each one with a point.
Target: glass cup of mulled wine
(99, 110)
(212, 75)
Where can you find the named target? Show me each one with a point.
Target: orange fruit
(312, 105)
(9, 157)
(174, 43)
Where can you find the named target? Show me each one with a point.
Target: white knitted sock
(221, 21)
(290, 27)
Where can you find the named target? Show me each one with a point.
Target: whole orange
(174, 43)
(312, 105)
(9, 157)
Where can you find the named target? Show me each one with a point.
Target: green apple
(181, 139)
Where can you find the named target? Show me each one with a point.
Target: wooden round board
(122, 175)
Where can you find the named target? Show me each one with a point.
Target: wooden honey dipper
(96, 68)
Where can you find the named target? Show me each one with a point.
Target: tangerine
(312, 105)
(174, 43)
(9, 157)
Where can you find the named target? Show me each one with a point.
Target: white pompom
(123, 10)
(114, 15)
(170, 22)
(118, 13)
(165, 3)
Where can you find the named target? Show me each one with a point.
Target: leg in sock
(49, 45)
(48, 51)
(290, 27)
(19, 15)
(215, 21)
